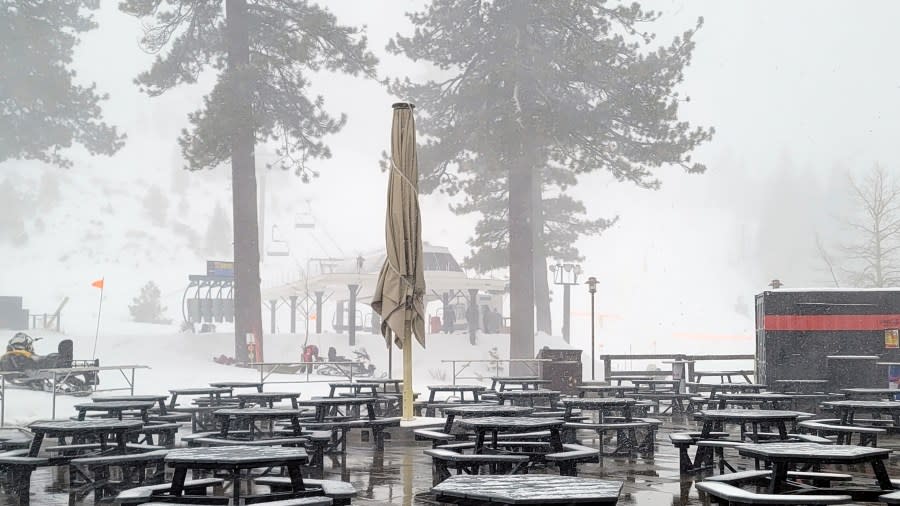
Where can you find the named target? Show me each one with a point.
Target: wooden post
(407, 373)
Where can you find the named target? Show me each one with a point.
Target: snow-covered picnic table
(160, 400)
(116, 409)
(228, 418)
(235, 459)
(78, 431)
(481, 410)
(522, 382)
(267, 399)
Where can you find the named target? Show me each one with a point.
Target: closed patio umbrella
(399, 294)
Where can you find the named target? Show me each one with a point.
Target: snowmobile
(361, 367)
(20, 357)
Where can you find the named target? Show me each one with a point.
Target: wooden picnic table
(602, 405)
(160, 400)
(80, 430)
(473, 390)
(523, 382)
(512, 424)
(385, 382)
(326, 405)
(743, 373)
(527, 489)
(235, 459)
(765, 400)
(783, 456)
(267, 399)
(481, 410)
(619, 378)
(716, 419)
(653, 383)
(528, 397)
(867, 393)
(115, 409)
(354, 387)
(238, 384)
(214, 394)
(803, 386)
(715, 388)
(616, 390)
(847, 409)
(229, 417)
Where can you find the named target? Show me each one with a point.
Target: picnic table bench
(159, 400)
(213, 394)
(384, 383)
(523, 382)
(527, 489)
(742, 373)
(115, 409)
(868, 436)
(233, 385)
(801, 386)
(846, 409)
(602, 390)
(529, 397)
(889, 394)
(651, 384)
(355, 388)
(512, 424)
(761, 400)
(249, 417)
(731, 495)
(267, 399)
(481, 410)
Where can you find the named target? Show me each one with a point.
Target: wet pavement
(402, 473)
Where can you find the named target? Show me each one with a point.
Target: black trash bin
(563, 371)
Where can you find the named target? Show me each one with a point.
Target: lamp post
(592, 287)
(566, 275)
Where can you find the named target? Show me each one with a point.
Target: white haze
(799, 93)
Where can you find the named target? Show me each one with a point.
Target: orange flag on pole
(98, 284)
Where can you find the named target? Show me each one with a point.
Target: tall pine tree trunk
(247, 303)
(521, 264)
(541, 287)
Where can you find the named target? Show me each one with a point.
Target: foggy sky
(798, 92)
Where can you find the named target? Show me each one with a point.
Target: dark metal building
(818, 333)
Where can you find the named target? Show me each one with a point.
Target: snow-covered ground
(183, 360)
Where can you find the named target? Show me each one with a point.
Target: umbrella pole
(390, 360)
(407, 374)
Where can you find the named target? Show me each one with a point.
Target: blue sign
(220, 269)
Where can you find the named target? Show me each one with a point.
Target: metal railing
(532, 364)
(59, 376)
(346, 372)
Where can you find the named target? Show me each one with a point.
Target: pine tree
(530, 84)
(156, 205)
(44, 112)
(146, 307)
(218, 234)
(263, 52)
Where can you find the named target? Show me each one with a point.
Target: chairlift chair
(277, 247)
(304, 220)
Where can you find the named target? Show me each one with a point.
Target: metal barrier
(688, 360)
(466, 363)
(59, 376)
(264, 375)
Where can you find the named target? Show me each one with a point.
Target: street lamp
(592, 287)
(566, 275)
